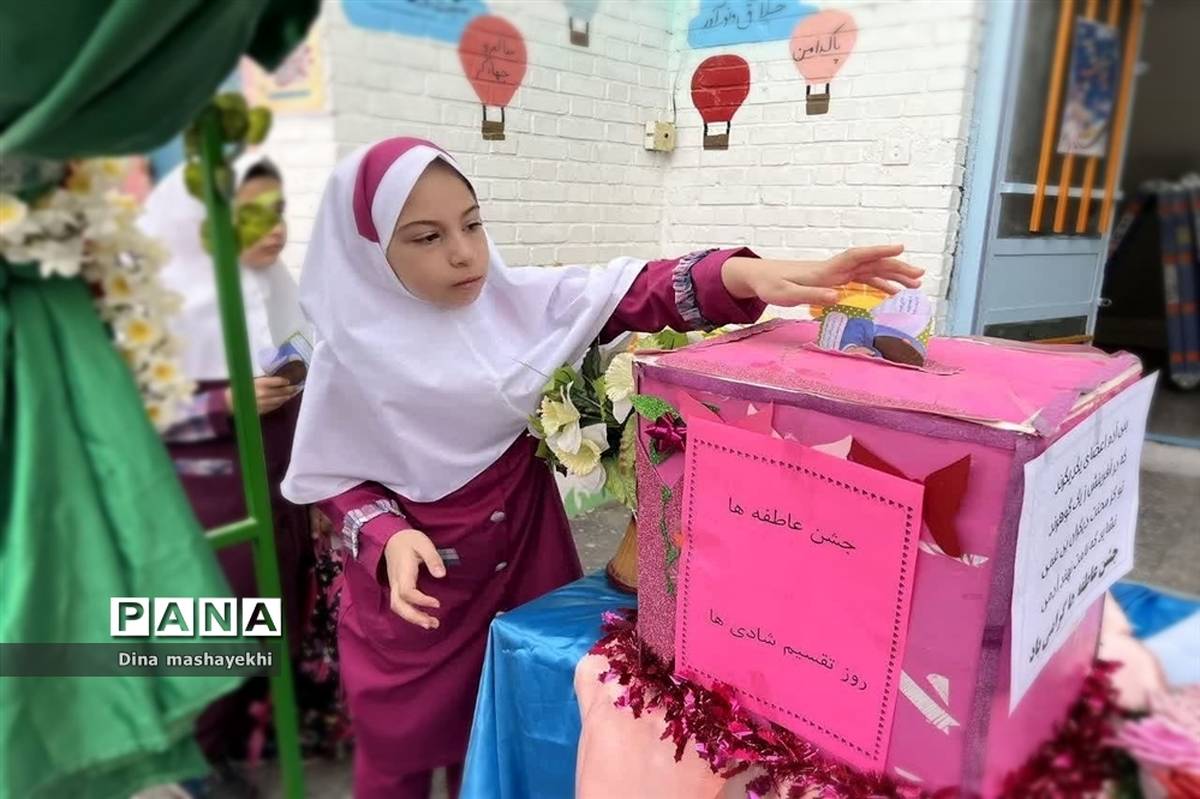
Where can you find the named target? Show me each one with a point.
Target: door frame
(988, 146)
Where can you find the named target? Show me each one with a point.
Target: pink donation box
(838, 541)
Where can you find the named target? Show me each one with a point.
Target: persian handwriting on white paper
(1085, 483)
(1084, 459)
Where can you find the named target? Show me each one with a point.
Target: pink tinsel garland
(1075, 763)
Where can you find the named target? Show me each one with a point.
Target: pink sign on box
(795, 583)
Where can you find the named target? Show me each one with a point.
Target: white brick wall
(572, 182)
(792, 185)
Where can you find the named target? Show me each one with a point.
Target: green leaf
(652, 408)
(656, 456)
(622, 470)
(591, 363)
(564, 375)
(543, 451)
(627, 454)
(665, 339)
(618, 484)
(559, 378)
(671, 340)
(535, 423)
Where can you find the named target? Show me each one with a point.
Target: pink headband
(374, 166)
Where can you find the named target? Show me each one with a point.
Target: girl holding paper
(430, 355)
(202, 443)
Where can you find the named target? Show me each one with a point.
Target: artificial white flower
(593, 482)
(164, 373)
(138, 333)
(63, 258)
(566, 438)
(556, 415)
(57, 222)
(117, 288)
(586, 457)
(89, 229)
(618, 384)
(14, 218)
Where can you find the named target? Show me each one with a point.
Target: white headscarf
(270, 295)
(402, 392)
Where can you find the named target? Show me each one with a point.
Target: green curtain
(90, 507)
(105, 77)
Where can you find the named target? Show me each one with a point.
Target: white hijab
(270, 295)
(407, 394)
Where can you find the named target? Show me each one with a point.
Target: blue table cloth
(526, 729)
(527, 726)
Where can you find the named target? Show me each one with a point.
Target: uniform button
(498, 516)
(502, 565)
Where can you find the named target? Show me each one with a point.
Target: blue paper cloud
(724, 22)
(582, 9)
(443, 20)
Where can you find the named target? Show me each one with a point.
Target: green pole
(258, 528)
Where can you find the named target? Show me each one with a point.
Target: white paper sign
(1077, 527)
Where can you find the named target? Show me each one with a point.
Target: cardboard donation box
(903, 565)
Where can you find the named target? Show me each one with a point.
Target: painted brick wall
(572, 182)
(304, 149)
(808, 186)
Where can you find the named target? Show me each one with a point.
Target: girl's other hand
(789, 283)
(404, 553)
(270, 393)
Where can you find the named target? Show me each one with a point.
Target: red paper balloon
(492, 53)
(719, 86)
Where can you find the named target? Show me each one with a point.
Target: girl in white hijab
(202, 444)
(430, 355)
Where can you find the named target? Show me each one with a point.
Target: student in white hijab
(203, 444)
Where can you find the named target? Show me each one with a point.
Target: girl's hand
(270, 393)
(790, 283)
(404, 553)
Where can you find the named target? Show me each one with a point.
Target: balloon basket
(579, 38)
(493, 130)
(816, 103)
(622, 570)
(716, 141)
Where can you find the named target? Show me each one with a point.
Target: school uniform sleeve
(365, 517)
(206, 417)
(683, 294)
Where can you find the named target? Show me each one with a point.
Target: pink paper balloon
(821, 43)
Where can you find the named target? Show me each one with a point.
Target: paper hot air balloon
(719, 86)
(493, 58)
(580, 20)
(821, 43)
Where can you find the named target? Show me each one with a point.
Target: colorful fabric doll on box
(430, 354)
(895, 328)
